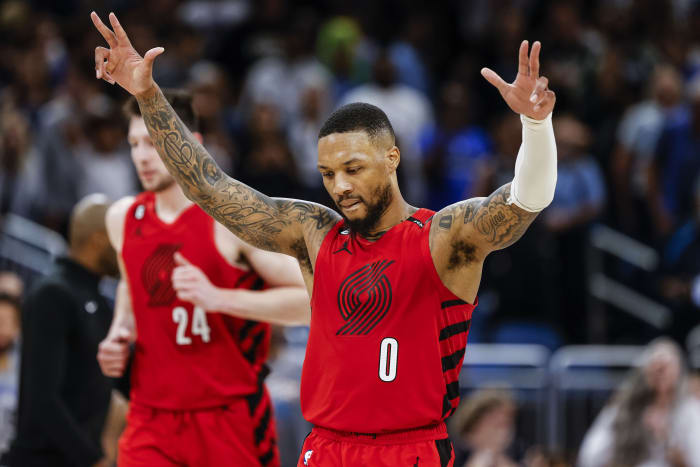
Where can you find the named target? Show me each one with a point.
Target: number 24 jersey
(185, 357)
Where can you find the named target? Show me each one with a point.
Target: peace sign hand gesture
(121, 63)
(528, 94)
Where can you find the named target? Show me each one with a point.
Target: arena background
(563, 314)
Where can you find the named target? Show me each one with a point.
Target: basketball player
(393, 287)
(197, 393)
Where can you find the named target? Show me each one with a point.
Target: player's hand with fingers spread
(192, 285)
(121, 63)
(528, 94)
(113, 352)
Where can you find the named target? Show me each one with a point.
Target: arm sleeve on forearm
(532, 188)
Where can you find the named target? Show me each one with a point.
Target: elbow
(535, 198)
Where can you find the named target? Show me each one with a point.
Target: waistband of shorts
(412, 435)
(224, 403)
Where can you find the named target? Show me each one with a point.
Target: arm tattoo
(498, 223)
(267, 223)
(445, 221)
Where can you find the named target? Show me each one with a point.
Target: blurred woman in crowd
(651, 421)
(485, 427)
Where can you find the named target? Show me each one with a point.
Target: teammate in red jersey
(190, 298)
(393, 287)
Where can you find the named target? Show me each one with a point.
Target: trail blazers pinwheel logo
(155, 275)
(364, 298)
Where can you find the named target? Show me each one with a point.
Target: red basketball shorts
(422, 447)
(234, 435)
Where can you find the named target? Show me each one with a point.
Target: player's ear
(199, 136)
(393, 157)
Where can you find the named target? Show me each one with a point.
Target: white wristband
(532, 188)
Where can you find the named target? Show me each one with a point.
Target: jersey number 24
(200, 327)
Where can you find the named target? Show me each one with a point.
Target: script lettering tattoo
(268, 223)
(499, 223)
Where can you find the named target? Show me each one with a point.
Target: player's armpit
(281, 225)
(479, 226)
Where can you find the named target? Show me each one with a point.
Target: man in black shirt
(63, 395)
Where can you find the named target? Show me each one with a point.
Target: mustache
(343, 198)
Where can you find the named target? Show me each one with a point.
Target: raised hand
(121, 63)
(528, 94)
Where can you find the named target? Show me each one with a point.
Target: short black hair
(358, 116)
(179, 99)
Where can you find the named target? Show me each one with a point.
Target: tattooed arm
(293, 227)
(463, 234)
(273, 224)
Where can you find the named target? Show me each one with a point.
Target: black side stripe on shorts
(444, 449)
(451, 303)
(451, 361)
(255, 398)
(261, 429)
(267, 457)
(454, 329)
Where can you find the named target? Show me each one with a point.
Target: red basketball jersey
(387, 338)
(186, 357)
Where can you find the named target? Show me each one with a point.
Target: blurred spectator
(19, 159)
(485, 426)
(11, 284)
(680, 272)
(456, 153)
(303, 139)
(578, 200)
(407, 52)
(63, 395)
(9, 367)
(267, 163)
(211, 101)
(539, 457)
(694, 384)
(651, 420)
(281, 80)
(637, 137)
(675, 165)
(567, 54)
(409, 112)
(343, 49)
(104, 161)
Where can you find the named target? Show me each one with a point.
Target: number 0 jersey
(387, 338)
(186, 358)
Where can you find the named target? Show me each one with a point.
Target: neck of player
(170, 203)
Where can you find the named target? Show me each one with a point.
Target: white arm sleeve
(532, 188)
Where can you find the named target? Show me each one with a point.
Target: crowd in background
(266, 73)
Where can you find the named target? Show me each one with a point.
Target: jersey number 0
(388, 357)
(200, 327)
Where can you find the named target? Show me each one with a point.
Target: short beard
(367, 224)
(163, 185)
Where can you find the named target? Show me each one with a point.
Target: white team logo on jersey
(140, 211)
(307, 456)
